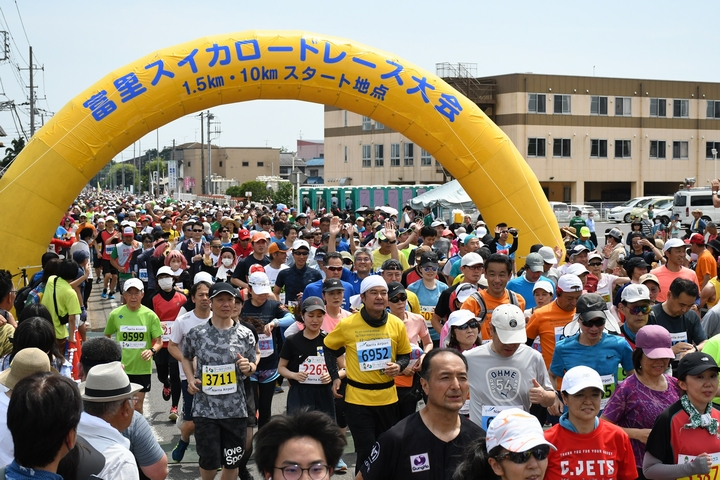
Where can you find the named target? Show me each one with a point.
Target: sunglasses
(347, 262)
(597, 322)
(301, 254)
(197, 231)
(225, 231)
(540, 452)
(474, 267)
(595, 264)
(429, 269)
(335, 269)
(468, 325)
(398, 298)
(638, 310)
(388, 241)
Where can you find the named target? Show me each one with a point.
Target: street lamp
(714, 152)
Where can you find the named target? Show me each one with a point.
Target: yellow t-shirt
(379, 259)
(364, 345)
(68, 303)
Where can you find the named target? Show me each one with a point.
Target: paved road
(156, 410)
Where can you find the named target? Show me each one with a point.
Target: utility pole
(157, 160)
(203, 184)
(32, 98)
(209, 116)
(122, 160)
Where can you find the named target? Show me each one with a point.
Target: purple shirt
(633, 405)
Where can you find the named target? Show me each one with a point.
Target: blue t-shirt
(522, 286)
(505, 250)
(315, 290)
(428, 299)
(295, 280)
(352, 278)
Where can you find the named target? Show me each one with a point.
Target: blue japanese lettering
(361, 85)
(255, 51)
(449, 106)
(328, 59)
(364, 63)
(191, 60)
(129, 87)
(343, 80)
(304, 47)
(309, 73)
(160, 72)
(422, 85)
(292, 73)
(379, 92)
(329, 77)
(395, 73)
(280, 49)
(216, 49)
(100, 105)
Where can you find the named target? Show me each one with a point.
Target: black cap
(428, 258)
(395, 288)
(714, 244)
(332, 284)
(391, 264)
(313, 303)
(222, 287)
(695, 363)
(591, 305)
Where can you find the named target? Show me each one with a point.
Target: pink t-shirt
(666, 277)
(415, 326)
(329, 323)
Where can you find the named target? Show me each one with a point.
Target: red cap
(316, 223)
(244, 234)
(256, 268)
(697, 239)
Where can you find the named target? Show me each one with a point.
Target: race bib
(265, 343)
(415, 353)
(109, 249)
(143, 274)
(536, 344)
(282, 297)
(559, 335)
(608, 382)
(713, 475)
(374, 354)
(132, 336)
(677, 338)
(489, 412)
(465, 409)
(167, 330)
(427, 313)
(219, 379)
(315, 368)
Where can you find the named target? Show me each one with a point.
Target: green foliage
(258, 189)
(11, 152)
(115, 172)
(284, 194)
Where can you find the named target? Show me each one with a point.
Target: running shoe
(103, 295)
(111, 297)
(173, 414)
(166, 395)
(179, 451)
(341, 466)
(278, 390)
(98, 280)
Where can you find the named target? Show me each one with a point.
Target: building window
(623, 149)
(366, 153)
(562, 104)
(345, 153)
(536, 103)
(681, 108)
(536, 147)
(345, 115)
(598, 105)
(260, 164)
(366, 123)
(379, 126)
(657, 107)
(188, 164)
(245, 164)
(598, 148)
(425, 158)
(394, 154)
(379, 155)
(623, 106)
(713, 109)
(561, 147)
(680, 150)
(657, 149)
(709, 148)
(220, 163)
(314, 172)
(409, 156)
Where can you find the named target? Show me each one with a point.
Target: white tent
(447, 197)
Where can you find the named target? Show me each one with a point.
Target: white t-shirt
(605, 287)
(183, 325)
(272, 273)
(7, 449)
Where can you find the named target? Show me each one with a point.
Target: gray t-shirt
(498, 382)
(222, 394)
(146, 450)
(711, 321)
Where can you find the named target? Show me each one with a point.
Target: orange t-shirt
(706, 265)
(666, 277)
(544, 322)
(490, 303)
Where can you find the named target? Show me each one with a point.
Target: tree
(116, 172)
(284, 194)
(152, 166)
(11, 152)
(258, 189)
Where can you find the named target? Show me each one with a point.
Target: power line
(21, 22)
(12, 37)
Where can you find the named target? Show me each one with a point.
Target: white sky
(80, 41)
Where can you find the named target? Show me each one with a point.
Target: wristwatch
(152, 349)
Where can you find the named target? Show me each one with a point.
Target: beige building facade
(586, 138)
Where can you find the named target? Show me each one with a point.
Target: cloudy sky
(79, 42)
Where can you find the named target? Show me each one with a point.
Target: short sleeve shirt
(134, 331)
(67, 303)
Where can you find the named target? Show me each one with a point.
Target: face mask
(227, 261)
(693, 256)
(166, 284)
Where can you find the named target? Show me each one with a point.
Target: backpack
(22, 295)
(483, 308)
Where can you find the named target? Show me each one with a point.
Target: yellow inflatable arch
(163, 86)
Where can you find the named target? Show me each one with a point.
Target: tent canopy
(447, 197)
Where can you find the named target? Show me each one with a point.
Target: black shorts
(220, 442)
(250, 402)
(107, 268)
(144, 380)
(187, 402)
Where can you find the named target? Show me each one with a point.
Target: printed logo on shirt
(503, 383)
(419, 463)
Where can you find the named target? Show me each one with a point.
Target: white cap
(203, 277)
(515, 430)
(259, 282)
(470, 259)
(593, 255)
(577, 269)
(128, 231)
(579, 249)
(165, 270)
(545, 285)
(580, 377)
(634, 292)
(672, 243)
(298, 244)
(110, 219)
(457, 318)
(480, 232)
(548, 255)
(464, 291)
(509, 323)
(570, 283)
(133, 282)
(437, 223)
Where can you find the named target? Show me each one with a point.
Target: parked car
(658, 204)
(621, 213)
(585, 209)
(689, 199)
(562, 211)
(664, 213)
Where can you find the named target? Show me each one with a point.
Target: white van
(561, 211)
(690, 199)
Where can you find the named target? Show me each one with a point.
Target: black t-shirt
(296, 348)
(410, 451)
(688, 323)
(295, 280)
(251, 327)
(242, 268)
(442, 309)
(266, 313)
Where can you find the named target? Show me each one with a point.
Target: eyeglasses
(294, 472)
(388, 241)
(429, 269)
(224, 231)
(335, 269)
(504, 231)
(638, 310)
(479, 266)
(215, 246)
(597, 322)
(133, 400)
(347, 261)
(398, 298)
(197, 231)
(468, 325)
(540, 452)
(595, 264)
(363, 259)
(301, 254)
